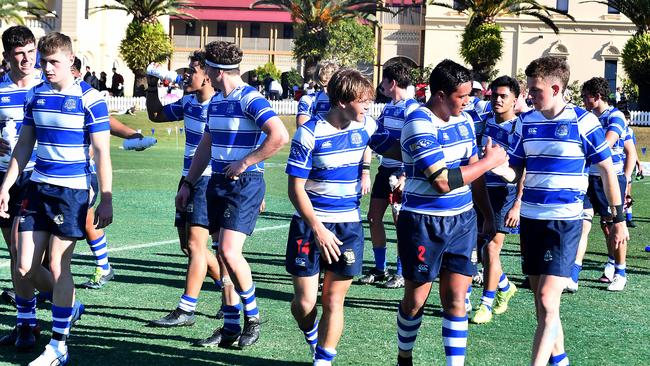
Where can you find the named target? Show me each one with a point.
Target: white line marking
(156, 243)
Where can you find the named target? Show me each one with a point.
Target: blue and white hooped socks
(250, 303)
(100, 251)
(187, 304)
(454, 338)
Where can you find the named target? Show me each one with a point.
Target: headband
(220, 66)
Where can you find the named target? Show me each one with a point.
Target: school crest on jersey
(355, 138)
(69, 104)
(464, 132)
(562, 130)
(230, 109)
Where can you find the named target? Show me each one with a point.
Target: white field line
(155, 244)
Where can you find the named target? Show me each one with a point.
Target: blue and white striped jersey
(235, 124)
(481, 107)
(556, 154)
(331, 161)
(12, 109)
(63, 122)
(392, 118)
(613, 120)
(501, 133)
(194, 114)
(427, 140)
(314, 104)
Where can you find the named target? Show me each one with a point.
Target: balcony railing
(209, 39)
(411, 15)
(183, 41)
(250, 43)
(46, 23)
(283, 44)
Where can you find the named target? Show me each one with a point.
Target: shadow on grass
(108, 346)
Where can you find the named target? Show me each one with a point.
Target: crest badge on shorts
(349, 257)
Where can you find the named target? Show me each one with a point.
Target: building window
(611, 10)
(255, 30)
(611, 67)
(562, 5)
(457, 4)
(287, 31)
(222, 29)
(86, 9)
(190, 28)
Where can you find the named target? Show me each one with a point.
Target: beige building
(592, 44)
(96, 36)
(419, 35)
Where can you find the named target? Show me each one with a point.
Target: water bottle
(162, 73)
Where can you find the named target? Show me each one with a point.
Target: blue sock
(619, 269)
(628, 216)
(467, 296)
(250, 303)
(559, 360)
(324, 356)
(488, 298)
(407, 329)
(575, 272)
(187, 303)
(26, 311)
(504, 284)
(100, 251)
(231, 318)
(218, 285)
(454, 338)
(398, 267)
(61, 318)
(380, 258)
(311, 335)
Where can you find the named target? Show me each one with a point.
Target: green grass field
(601, 328)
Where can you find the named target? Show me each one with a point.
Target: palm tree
(315, 17)
(482, 42)
(146, 40)
(636, 53)
(13, 10)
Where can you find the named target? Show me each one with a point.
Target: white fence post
(639, 118)
(281, 107)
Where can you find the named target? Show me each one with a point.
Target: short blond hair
(324, 71)
(348, 85)
(53, 42)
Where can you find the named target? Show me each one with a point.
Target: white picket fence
(639, 118)
(121, 104)
(290, 107)
(281, 107)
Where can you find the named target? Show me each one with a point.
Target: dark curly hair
(198, 56)
(597, 86)
(225, 53)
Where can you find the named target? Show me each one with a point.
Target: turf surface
(601, 328)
